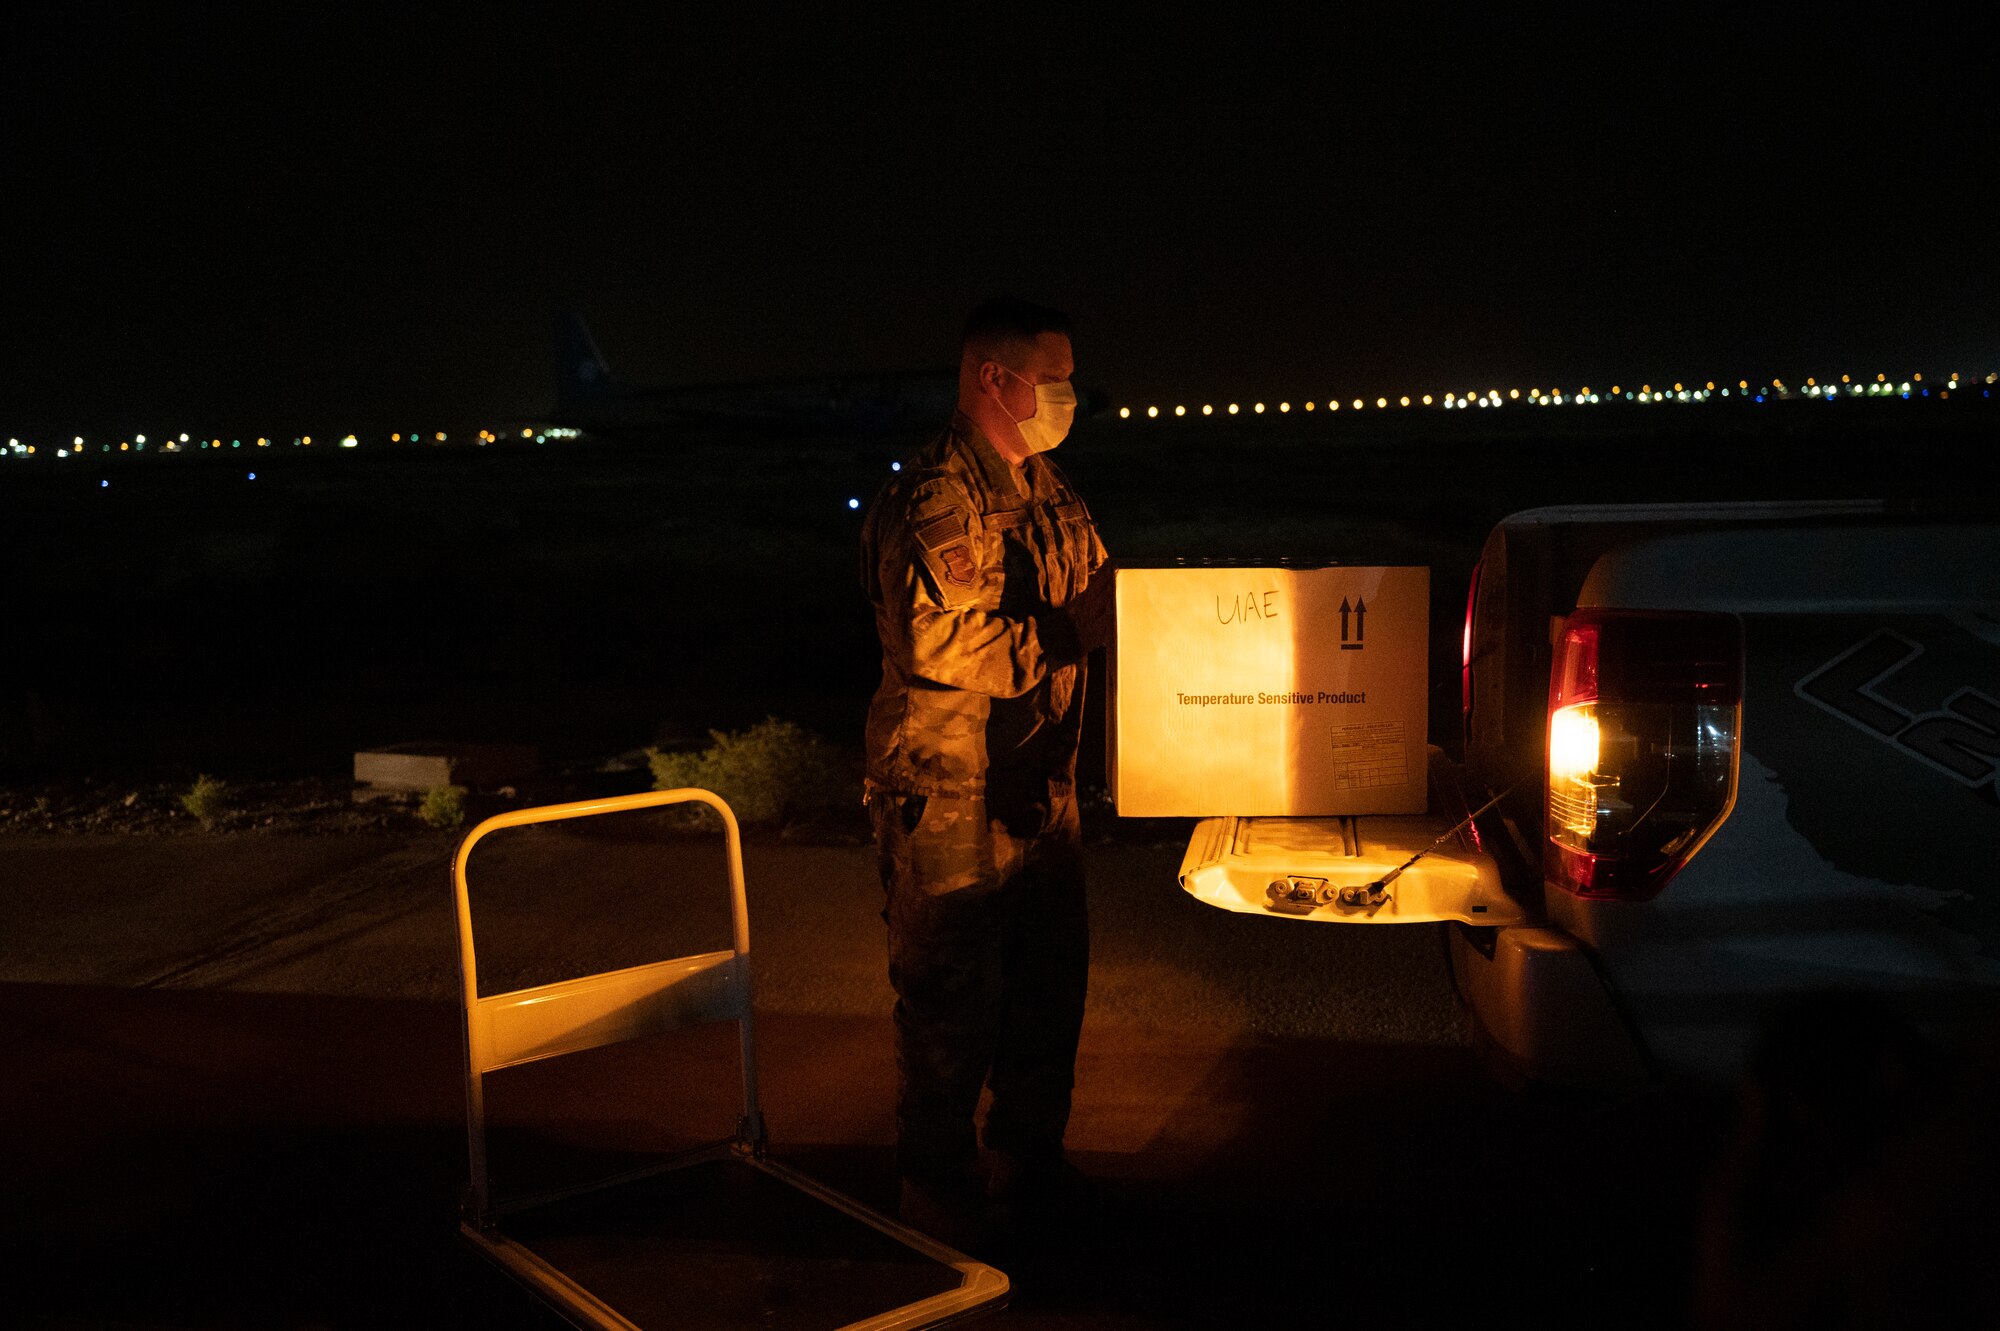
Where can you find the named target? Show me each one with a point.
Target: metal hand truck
(721, 1235)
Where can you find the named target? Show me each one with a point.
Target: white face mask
(1055, 408)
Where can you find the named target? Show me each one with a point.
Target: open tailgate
(1323, 869)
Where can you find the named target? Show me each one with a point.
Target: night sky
(263, 216)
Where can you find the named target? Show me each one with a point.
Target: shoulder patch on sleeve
(946, 535)
(959, 569)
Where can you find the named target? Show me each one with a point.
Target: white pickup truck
(1740, 753)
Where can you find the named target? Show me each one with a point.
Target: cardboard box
(1269, 691)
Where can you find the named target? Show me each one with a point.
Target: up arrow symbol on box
(1359, 609)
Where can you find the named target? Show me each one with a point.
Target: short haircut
(1005, 320)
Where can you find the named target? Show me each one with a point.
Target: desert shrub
(206, 799)
(443, 806)
(771, 774)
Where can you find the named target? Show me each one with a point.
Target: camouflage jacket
(969, 562)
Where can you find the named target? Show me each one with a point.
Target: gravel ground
(308, 806)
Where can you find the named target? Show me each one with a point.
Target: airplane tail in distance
(590, 398)
(581, 374)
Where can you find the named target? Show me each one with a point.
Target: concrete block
(420, 766)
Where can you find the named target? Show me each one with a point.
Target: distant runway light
(1381, 401)
(139, 438)
(1333, 405)
(1152, 411)
(1180, 411)
(1403, 401)
(1309, 405)
(1207, 409)
(1232, 408)
(184, 438)
(1514, 393)
(104, 485)
(1427, 399)
(440, 436)
(1259, 408)
(253, 475)
(1358, 404)
(895, 466)
(1284, 406)
(1124, 413)
(854, 503)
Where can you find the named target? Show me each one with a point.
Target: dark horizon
(297, 218)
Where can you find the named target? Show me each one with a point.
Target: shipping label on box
(1269, 691)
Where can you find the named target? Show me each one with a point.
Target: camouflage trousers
(989, 945)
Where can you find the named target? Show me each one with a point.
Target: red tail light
(1465, 651)
(1644, 712)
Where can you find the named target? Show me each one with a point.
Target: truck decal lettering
(1844, 685)
(1962, 739)
(1966, 744)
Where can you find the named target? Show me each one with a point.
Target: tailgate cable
(1372, 895)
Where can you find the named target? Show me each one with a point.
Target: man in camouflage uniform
(989, 589)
